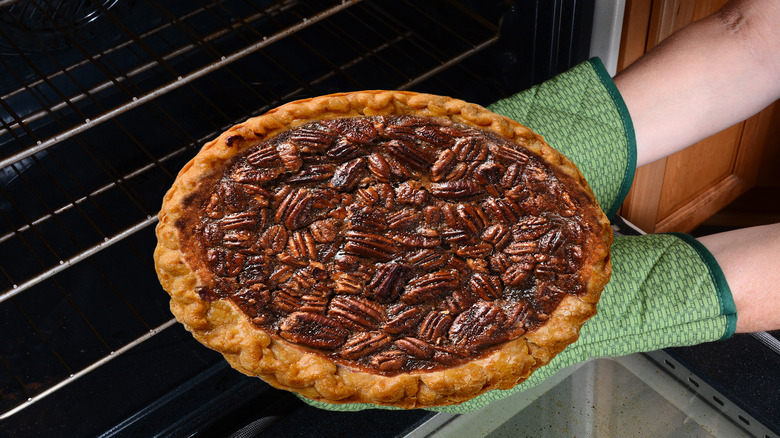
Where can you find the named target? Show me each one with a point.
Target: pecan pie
(383, 247)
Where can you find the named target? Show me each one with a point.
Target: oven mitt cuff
(666, 290)
(581, 114)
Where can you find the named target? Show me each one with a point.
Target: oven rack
(94, 131)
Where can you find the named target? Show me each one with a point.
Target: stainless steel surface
(712, 396)
(626, 396)
(607, 30)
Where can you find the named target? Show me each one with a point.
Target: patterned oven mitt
(666, 289)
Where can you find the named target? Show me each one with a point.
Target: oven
(103, 101)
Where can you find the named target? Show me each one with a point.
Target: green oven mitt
(666, 289)
(581, 114)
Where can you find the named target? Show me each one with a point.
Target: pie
(383, 247)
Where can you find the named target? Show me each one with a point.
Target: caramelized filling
(391, 244)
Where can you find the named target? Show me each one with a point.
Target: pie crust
(222, 323)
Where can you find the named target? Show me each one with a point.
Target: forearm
(749, 260)
(704, 78)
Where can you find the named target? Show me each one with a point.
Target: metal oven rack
(102, 103)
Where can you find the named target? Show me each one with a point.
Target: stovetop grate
(95, 129)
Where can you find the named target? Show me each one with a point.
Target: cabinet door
(679, 192)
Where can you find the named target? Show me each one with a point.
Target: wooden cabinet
(681, 191)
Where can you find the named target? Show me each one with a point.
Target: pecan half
(294, 210)
(240, 241)
(356, 313)
(404, 321)
(512, 177)
(347, 176)
(313, 330)
(291, 159)
(427, 259)
(478, 250)
(508, 154)
(516, 319)
(225, 263)
(258, 176)
(310, 276)
(525, 247)
(379, 167)
(388, 281)
(411, 193)
(400, 132)
(487, 287)
(459, 301)
(344, 150)
(389, 361)
(346, 283)
(470, 149)
(449, 354)
(442, 165)
(264, 156)
(503, 210)
(478, 327)
(281, 274)
(435, 326)
(489, 173)
(457, 190)
(312, 173)
(430, 286)
(301, 245)
(415, 240)
(551, 242)
(518, 275)
(369, 245)
(403, 219)
(364, 344)
(409, 154)
(552, 266)
(253, 271)
(531, 228)
(471, 217)
(534, 178)
(415, 347)
(435, 136)
(313, 303)
(365, 218)
(323, 231)
(274, 239)
(247, 220)
(357, 130)
(456, 237)
(499, 263)
(498, 235)
(286, 301)
(433, 215)
(312, 140)
(252, 300)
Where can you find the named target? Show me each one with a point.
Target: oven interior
(103, 101)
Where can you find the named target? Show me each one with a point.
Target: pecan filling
(391, 244)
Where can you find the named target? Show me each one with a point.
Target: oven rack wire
(94, 131)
